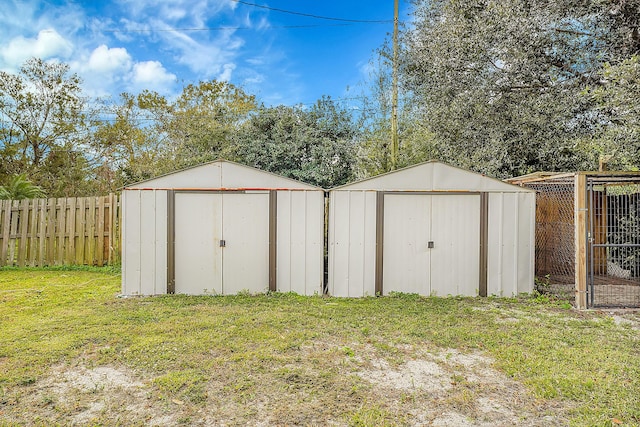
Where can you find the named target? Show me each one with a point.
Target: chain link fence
(613, 237)
(555, 237)
(614, 242)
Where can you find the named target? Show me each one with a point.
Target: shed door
(455, 257)
(448, 223)
(407, 230)
(221, 243)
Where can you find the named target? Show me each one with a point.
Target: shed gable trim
(219, 175)
(432, 176)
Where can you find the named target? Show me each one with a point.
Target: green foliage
(42, 125)
(152, 135)
(617, 101)
(134, 146)
(500, 85)
(315, 146)
(204, 118)
(19, 187)
(417, 143)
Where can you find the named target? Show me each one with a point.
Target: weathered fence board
(40, 232)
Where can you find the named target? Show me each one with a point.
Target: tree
(146, 135)
(131, 141)
(416, 141)
(315, 146)
(41, 114)
(203, 119)
(500, 82)
(617, 99)
(19, 187)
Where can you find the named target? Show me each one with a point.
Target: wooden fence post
(13, 231)
(33, 231)
(71, 231)
(42, 231)
(100, 229)
(23, 219)
(5, 210)
(580, 216)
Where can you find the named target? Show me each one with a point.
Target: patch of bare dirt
(627, 319)
(79, 396)
(451, 388)
(410, 387)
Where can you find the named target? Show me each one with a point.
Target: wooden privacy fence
(66, 231)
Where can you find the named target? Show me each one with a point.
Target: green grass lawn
(71, 351)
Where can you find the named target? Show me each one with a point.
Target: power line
(310, 15)
(344, 22)
(227, 28)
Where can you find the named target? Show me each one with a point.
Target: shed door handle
(430, 245)
(223, 243)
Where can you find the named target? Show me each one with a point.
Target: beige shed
(431, 229)
(222, 228)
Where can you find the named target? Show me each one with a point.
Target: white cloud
(47, 44)
(227, 69)
(129, 45)
(193, 13)
(108, 60)
(152, 72)
(107, 71)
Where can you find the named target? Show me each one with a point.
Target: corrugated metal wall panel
(496, 245)
(369, 265)
(511, 251)
(356, 243)
(352, 243)
(300, 250)
(526, 241)
(147, 242)
(502, 256)
(338, 246)
(284, 237)
(314, 279)
(131, 242)
(144, 231)
(161, 242)
(298, 242)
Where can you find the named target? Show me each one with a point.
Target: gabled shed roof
(433, 176)
(221, 174)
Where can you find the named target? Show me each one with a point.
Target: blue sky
(161, 45)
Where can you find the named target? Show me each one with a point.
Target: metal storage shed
(431, 229)
(222, 228)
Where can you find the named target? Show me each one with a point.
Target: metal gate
(613, 248)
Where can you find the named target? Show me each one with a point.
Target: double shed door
(431, 244)
(221, 242)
